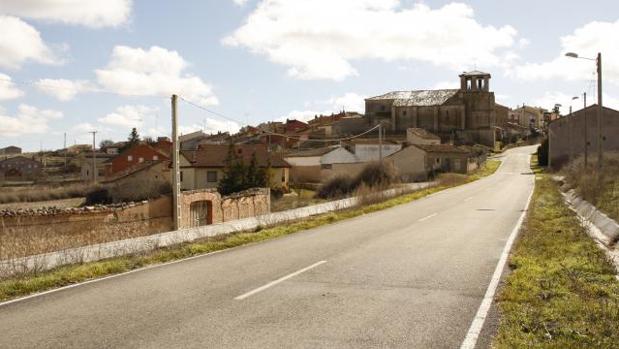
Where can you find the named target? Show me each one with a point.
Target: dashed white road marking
(275, 282)
(427, 217)
(468, 199)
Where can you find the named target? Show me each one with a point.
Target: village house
(10, 150)
(421, 136)
(568, 136)
(467, 114)
(205, 166)
(529, 117)
(85, 163)
(317, 165)
(420, 162)
(146, 173)
(114, 148)
(20, 168)
(135, 154)
(367, 150)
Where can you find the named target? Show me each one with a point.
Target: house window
(141, 159)
(403, 112)
(382, 108)
(129, 157)
(211, 176)
(155, 157)
(326, 166)
(438, 161)
(181, 176)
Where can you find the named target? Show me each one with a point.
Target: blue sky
(76, 66)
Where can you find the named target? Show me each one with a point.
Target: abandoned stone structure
(466, 115)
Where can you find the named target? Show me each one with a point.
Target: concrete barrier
(606, 225)
(101, 251)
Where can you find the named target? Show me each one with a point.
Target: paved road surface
(412, 276)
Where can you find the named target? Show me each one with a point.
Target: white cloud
(28, 120)
(153, 72)
(91, 13)
(8, 90)
(21, 42)
(350, 101)
(62, 89)
(319, 39)
(129, 116)
(587, 41)
(240, 2)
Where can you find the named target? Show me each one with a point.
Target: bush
(376, 174)
(372, 177)
(542, 153)
(98, 196)
(338, 186)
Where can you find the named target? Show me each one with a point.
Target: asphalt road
(412, 276)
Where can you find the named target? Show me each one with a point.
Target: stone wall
(28, 232)
(249, 203)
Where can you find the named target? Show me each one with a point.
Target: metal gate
(201, 213)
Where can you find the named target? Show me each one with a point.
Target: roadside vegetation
(24, 284)
(601, 190)
(562, 291)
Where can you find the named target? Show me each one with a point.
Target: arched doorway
(200, 213)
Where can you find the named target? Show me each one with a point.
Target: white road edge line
(275, 282)
(468, 199)
(480, 317)
(154, 266)
(427, 217)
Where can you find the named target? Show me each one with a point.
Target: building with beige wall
(312, 165)
(204, 167)
(421, 161)
(567, 135)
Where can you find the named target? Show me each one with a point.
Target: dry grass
(61, 203)
(562, 292)
(43, 193)
(297, 198)
(599, 188)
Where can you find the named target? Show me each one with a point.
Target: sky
(76, 66)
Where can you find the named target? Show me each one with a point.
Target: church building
(465, 115)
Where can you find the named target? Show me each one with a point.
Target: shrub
(98, 196)
(542, 153)
(338, 186)
(376, 174)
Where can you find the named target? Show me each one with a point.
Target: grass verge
(562, 292)
(66, 275)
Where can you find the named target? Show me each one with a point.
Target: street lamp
(598, 61)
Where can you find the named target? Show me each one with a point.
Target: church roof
(417, 98)
(474, 73)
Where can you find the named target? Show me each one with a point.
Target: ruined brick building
(465, 115)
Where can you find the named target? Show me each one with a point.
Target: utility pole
(380, 142)
(94, 157)
(176, 176)
(65, 153)
(584, 96)
(600, 110)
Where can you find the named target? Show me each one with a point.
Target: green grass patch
(66, 275)
(562, 292)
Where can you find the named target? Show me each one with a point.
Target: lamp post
(598, 61)
(570, 129)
